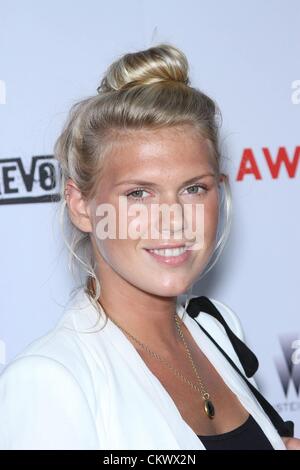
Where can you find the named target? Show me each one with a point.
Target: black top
(248, 436)
(247, 359)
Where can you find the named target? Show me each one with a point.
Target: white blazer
(73, 389)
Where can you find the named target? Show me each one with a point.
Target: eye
(197, 189)
(137, 194)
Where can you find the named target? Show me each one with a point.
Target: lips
(173, 256)
(169, 251)
(164, 246)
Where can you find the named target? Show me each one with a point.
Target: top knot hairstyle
(144, 90)
(163, 63)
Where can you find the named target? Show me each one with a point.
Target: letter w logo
(288, 367)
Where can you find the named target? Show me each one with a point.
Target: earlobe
(77, 206)
(222, 177)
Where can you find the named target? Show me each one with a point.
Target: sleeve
(235, 325)
(42, 406)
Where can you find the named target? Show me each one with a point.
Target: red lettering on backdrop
(282, 159)
(249, 166)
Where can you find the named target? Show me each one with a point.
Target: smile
(170, 256)
(169, 251)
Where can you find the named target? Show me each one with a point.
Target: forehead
(160, 153)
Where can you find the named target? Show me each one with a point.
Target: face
(144, 170)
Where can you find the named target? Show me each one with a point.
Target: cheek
(202, 220)
(116, 254)
(117, 229)
(211, 217)
(133, 222)
(211, 213)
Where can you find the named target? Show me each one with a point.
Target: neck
(147, 317)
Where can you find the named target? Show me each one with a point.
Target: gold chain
(203, 392)
(176, 371)
(208, 406)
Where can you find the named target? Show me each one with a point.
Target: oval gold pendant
(209, 408)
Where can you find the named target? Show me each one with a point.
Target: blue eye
(136, 192)
(197, 186)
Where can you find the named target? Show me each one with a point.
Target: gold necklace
(208, 405)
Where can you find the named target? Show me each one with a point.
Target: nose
(171, 215)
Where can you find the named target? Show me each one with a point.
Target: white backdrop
(246, 56)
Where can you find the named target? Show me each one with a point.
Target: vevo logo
(33, 180)
(288, 365)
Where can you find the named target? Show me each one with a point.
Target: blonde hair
(148, 89)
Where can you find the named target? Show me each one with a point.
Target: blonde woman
(126, 367)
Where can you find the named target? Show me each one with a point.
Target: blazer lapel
(142, 414)
(231, 378)
(163, 426)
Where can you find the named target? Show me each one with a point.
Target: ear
(77, 206)
(222, 178)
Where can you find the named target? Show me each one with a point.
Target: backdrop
(243, 54)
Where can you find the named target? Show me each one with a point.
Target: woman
(125, 368)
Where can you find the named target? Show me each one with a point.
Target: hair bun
(162, 63)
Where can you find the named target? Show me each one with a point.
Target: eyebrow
(149, 183)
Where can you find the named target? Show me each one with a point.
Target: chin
(172, 289)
